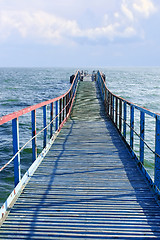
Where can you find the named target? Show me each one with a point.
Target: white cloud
(128, 13)
(144, 7)
(114, 21)
(116, 15)
(41, 26)
(38, 25)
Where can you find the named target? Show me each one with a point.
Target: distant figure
(81, 78)
(93, 76)
(72, 78)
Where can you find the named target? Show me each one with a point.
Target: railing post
(132, 127)
(111, 112)
(101, 87)
(120, 115)
(15, 133)
(63, 107)
(66, 104)
(142, 124)
(100, 84)
(113, 104)
(105, 99)
(69, 100)
(56, 125)
(44, 125)
(51, 119)
(116, 118)
(66, 100)
(157, 150)
(60, 110)
(79, 76)
(34, 147)
(98, 79)
(108, 103)
(103, 92)
(125, 119)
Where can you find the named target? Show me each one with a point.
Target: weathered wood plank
(87, 187)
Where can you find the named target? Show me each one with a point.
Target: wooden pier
(88, 186)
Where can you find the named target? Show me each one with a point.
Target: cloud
(42, 26)
(39, 25)
(144, 7)
(136, 9)
(49, 27)
(127, 12)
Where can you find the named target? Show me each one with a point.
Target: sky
(79, 33)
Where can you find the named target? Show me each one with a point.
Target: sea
(23, 87)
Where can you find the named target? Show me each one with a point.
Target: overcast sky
(78, 33)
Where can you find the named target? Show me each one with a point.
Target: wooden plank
(87, 187)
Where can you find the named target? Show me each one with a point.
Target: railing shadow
(49, 187)
(147, 203)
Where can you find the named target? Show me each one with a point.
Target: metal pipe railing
(116, 108)
(62, 105)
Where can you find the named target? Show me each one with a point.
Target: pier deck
(87, 187)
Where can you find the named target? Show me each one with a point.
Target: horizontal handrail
(37, 134)
(61, 115)
(21, 112)
(116, 108)
(139, 107)
(143, 109)
(60, 109)
(138, 135)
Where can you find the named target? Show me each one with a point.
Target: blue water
(138, 85)
(22, 87)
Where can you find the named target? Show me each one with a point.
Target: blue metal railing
(122, 113)
(59, 111)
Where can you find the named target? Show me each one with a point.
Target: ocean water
(141, 86)
(22, 87)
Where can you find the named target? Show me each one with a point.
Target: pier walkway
(88, 186)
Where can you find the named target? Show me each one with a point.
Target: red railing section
(60, 109)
